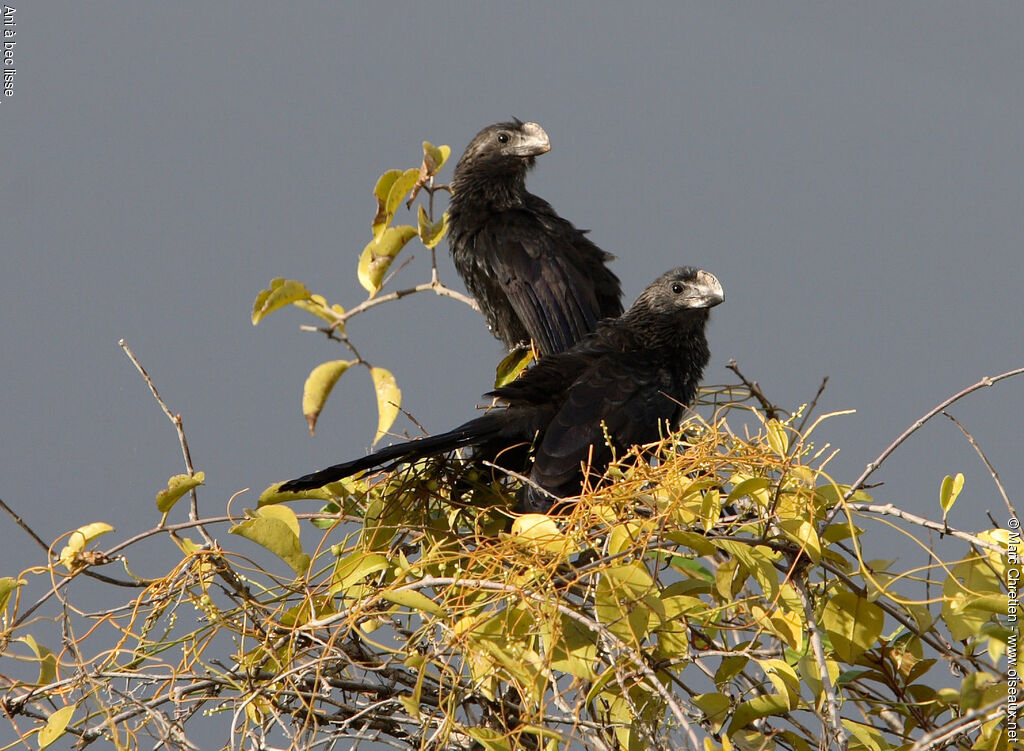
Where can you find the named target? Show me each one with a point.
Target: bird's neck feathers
(683, 336)
(491, 188)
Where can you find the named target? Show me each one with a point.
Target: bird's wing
(537, 269)
(619, 398)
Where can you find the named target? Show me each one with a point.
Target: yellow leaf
(803, 534)
(79, 539)
(55, 726)
(380, 192)
(7, 586)
(177, 486)
(47, 660)
(434, 157)
(282, 292)
(853, 624)
(541, 533)
(778, 439)
(949, 491)
(318, 387)
(284, 514)
(275, 535)
(379, 253)
(389, 399)
(431, 232)
(410, 598)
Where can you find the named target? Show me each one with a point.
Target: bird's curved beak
(532, 141)
(706, 291)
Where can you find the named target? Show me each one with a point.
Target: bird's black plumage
(619, 385)
(534, 275)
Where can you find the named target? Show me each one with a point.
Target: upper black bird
(619, 385)
(534, 275)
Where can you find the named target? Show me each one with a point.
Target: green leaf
(277, 534)
(512, 365)
(575, 651)
(489, 740)
(969, 582)
(7, 585)
(431, 233)
(379, 253)
(802, 532)
(624, 613)
(55, 726)
(282, 292)
(410, 598)
(949, 491)
(389, 400)
(47, 660)
(758, 560)
(354, 568)
(177, 486)
(852, 623)
(755, 709)
(865, 737)
(318, 387)
(753, 487)
(633, 575)
(715, 707)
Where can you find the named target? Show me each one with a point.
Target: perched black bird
(620, 385)
(534, 275)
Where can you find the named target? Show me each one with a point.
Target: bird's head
(684, 293)
(504, 149)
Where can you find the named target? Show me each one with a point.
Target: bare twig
(810, 407)
(880, 459)
(988, 464)
(21, 523)
(940, 737)
(178, 426)
(770, 410)
(888, 509)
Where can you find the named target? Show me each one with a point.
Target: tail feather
(472, 432)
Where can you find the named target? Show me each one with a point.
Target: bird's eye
(677, 288)
(503, 138)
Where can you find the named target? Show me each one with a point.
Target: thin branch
(888, 509)
(880, 459)
(179, 427)
(988, 464)
(940, 737)
(770, 410)
(810, 407)
(21, 523)
(833, 721)
(437, 287)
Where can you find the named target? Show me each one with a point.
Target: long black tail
(471, 433)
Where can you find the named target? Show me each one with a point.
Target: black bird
(620, 385)
(534, 275)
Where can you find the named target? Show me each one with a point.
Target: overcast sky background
(852, 174)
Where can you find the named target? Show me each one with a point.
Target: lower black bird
(535, 276)
(616, 388)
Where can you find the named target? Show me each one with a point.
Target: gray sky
(852, 174)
